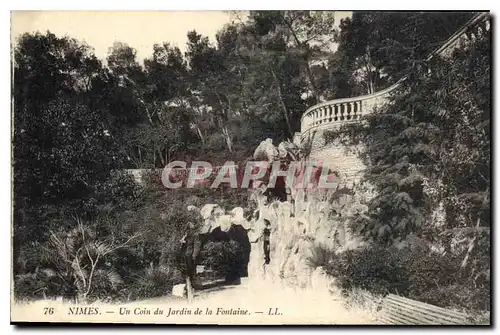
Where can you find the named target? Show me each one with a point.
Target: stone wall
(342, 158)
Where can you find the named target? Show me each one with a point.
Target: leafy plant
(226, 258)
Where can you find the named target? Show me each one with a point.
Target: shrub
(320, 255)
(226, 258)
(374, 269)
(41, 284)
(416, 273)
(152, 282)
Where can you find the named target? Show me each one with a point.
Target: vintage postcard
(251, 167)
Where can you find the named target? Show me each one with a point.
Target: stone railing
(477, 27)
(337, 112)
(334, 113)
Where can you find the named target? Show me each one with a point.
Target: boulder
(208, 226)
(207, 210)
(237, 218)
(288, 149)
(179, 290)
(192, 208)
(210, 213)
(224, 222)
(266, 151)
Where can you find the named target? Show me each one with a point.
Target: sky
(139, 29)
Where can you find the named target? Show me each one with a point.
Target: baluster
(350, 111)
(342, 112)
(335, 112)
(329, 113)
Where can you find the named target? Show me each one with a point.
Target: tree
(429, 148)
(379, 48)
(309, 33)
(62, 144)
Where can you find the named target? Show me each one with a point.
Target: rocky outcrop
(297, 227)
(266, 151)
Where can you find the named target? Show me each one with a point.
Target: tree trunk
(282, 103)
(140, 157)
(198, 130)
(306, 59)
(189, 289)
(227, 136)
(310, 78)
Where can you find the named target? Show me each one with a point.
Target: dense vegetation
(84, 230)
(428, 157)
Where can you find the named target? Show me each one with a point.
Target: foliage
(374, 269)
(417, 273)
(377, 49)
(85, 230)
(320, 255)
(428, 156)
(429, 149)
(153, 282)
(225, 258)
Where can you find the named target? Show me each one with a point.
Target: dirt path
(251, 303)
(268, 304)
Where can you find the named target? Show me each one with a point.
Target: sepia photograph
(272, 167)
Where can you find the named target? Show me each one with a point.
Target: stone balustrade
(332, 114)
(337, 112)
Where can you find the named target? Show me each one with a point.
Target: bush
(416, 273)
(38, 285)
(320, 255)
(374, 269)
(226, 258)
(153, 282)
(158, 219)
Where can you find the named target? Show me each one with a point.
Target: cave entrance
(226, 254)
